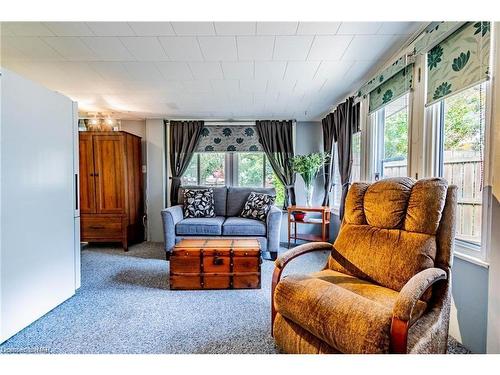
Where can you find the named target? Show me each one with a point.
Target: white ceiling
(212, 70)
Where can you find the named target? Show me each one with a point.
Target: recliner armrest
(287, 256)
(413, 290)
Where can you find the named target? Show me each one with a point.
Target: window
(249, 169)
(391, 140)
(207, 168)
(461, 156)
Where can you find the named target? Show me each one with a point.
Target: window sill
(471, 259)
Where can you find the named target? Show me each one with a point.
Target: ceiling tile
(108, 48)
(329, 47)
(143, 71)
(292, 47)
(238, 70)
(193, 28)
(255, 47)
(82, 70)
(110, 70)
(307, 86)
(359, 28)
(270, 69)
(235, 28)
(252, 85)
(360, 70)
(144, 48)
(197, 86)
(182, 48)
(378, 45)
(172, 70)
(27, 28)
(318, 28)
(152, 28)
(218, 48)
(69, 28)
(280, 85)
(225, 85)
(71, 48)
(276, 28)
(400, 28)
(301, 70)
(333, 69)
(206, 70)
(111, 28)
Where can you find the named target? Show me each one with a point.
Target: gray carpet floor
(125, 306)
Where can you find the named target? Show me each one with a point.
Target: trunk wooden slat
(215, 264)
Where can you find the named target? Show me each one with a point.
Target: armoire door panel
(87, 180)
(109, 155)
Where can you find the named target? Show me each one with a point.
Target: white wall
(493, 343)
(37, 236)
(156, 177)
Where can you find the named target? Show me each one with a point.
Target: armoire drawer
(101, 227)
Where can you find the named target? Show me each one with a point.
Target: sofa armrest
(273, 223)
(408, 297)
(170, 217)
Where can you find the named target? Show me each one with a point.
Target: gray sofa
(229, 202)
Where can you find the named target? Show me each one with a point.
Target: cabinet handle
(96, 227)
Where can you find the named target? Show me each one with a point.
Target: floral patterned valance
(392, 89)
(435, 33)
(383, 76)
(234, 138)
(458, 62)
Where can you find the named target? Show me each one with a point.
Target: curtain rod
(214, 122)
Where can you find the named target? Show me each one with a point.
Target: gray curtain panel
(345, 122)
(276, 138)
(184, 139)
(327, 124)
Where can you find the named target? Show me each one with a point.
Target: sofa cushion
(200, 226)
(239, 226)
(220, 195)
(351, 315)
(198, 203)
(237, 197)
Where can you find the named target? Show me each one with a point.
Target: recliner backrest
(390, 230)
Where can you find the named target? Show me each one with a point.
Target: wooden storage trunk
(215, 264)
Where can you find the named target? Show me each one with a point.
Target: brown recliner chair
(387, 285)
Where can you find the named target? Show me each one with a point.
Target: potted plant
(308, 166)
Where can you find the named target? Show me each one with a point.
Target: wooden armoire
(111, 191)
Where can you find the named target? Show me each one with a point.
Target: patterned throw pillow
(199, 203)
(257, 206)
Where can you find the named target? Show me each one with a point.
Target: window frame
(473, 252)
